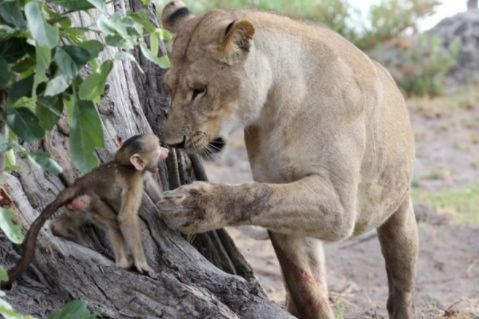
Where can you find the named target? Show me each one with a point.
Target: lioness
(328, 137)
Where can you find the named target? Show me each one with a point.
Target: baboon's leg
(399, 245)
(130, 226)
(106, 219)
(67, 224)
(304, 272)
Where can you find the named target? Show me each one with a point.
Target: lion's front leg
(308, 207)
(201, 206)
(304, 272)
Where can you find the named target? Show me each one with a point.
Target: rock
(465, 27)
(462, 26)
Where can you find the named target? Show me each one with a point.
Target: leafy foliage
(48, 66)
(44, 59)
(24, 123)
(390, 18)
(9, 227)
(42, 160)
(75, 309)
(386, 19)
(85, 123)
(426, 64)
(7, 311)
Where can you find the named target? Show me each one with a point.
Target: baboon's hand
(194, 208)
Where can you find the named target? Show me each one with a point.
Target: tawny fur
(328, 137)
(109, 196)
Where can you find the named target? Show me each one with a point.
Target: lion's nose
(178, 144)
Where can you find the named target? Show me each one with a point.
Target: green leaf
(24, 123)
(164, 35)
(20, 89)
(57, 85)
(43, 59)
(85, 134)
(66, 65)
(5, 75)
(142, 17)
(4, 145)
(127, 56)
(73, 5)
(10, 161)
(64, 22)
(11, 14)
(6, 32)
(68, 102)
(73, 310)
(26, 102)
(44, 161)
(154, 44)
(99, 4)
(162, 62)
(93, 47)
(119, 27)
(12, 230)
(78, 54)
(94, 85)
(14, 49)
(75, 34)
(115, 40)
(48, 110)
(8, 312)
(24, 65)
(3, 274)
(105, 24)
(42, 32)
(69, 60)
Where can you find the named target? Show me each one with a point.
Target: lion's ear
(173, 14)
(237, 40)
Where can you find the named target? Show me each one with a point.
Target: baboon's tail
(31, 238)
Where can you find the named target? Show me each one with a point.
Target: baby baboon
(113, 187)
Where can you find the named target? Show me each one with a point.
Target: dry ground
(447, 178)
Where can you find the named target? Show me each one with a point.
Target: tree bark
(208, 280)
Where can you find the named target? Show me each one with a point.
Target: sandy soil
(448, 267)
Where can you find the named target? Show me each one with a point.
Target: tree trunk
(208, 280)
(471, 4)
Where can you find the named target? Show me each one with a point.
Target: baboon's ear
(137, 161)
(237, 41)
(173, 14)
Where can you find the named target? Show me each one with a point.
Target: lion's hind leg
(399, 245)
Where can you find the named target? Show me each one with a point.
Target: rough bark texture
(208, 280)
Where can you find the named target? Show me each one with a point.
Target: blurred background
(432, 50)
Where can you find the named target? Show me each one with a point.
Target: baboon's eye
(198, 91)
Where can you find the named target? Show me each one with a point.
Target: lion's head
(212, 90)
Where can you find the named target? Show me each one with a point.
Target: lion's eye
(197, 91)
